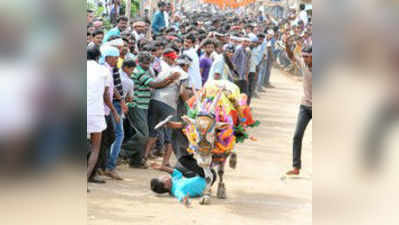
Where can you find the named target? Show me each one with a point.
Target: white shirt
(110, 81)
(138, 36)
(216, 56)
(194, 70)
(169, 94)
(127, 84)
(303, 16)
(166, 17)
(97, 79)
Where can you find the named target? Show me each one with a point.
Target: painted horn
(215, 101)
(198, 104)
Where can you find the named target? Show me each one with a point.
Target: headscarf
(107, 50)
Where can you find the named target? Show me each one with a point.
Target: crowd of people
(141, 71)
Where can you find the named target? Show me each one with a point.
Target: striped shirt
(117, 81)
(142, 93)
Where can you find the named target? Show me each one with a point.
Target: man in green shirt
(138, 110)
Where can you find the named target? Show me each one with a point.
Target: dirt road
(255, 193)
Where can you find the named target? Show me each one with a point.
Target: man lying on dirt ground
(183, 182)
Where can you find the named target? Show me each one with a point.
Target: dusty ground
(256, 195)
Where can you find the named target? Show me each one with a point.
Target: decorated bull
(217, 119)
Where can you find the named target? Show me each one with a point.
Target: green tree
(135, 6)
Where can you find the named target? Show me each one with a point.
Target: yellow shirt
(119, 63)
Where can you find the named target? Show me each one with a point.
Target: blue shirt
(110, 33)
(241, 62)
(158, 22)
(182, 186)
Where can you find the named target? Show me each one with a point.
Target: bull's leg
(206, 198)
(221, 192)
(233, 160)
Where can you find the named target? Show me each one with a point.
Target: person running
(305, 108)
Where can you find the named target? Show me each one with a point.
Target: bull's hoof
(233, 160)
(205, 200)
(221, 194)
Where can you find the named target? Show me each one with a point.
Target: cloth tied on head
(139, 24)
(171, 38)
(171, 55)
(107, 50)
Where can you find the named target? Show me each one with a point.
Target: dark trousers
(137, 135)
(304, 116)
(107, 138)
(269, 65)
(179, 140)
(251, 86)
(243, 85)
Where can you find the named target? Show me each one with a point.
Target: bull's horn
(198, 96)
(215, 101)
